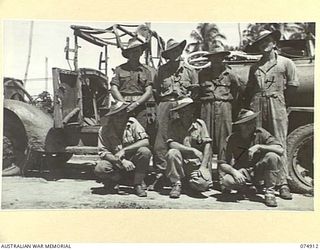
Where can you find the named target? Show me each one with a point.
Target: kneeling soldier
(123, 150)
(190, 151)
(250, 155)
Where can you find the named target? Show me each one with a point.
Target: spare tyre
(300, 159)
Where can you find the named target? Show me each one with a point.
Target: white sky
(49, 40)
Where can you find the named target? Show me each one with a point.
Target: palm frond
(196, 36)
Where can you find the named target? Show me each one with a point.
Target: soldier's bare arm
(292, 82)
(278, 149)
(248, 92)
(186, 150)
(145, 97)
(136, 145)
(237, 175)
(207, 152)
(116, 93)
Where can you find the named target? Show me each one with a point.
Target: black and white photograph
(158, 115)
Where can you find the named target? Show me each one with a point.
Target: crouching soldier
(190, 153)
(123, 150)
(251, 155)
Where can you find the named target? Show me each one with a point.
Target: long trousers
(269, 169)
(106, 171)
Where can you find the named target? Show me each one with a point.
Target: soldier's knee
(271, 161)
(272, 157)
(102, 168)
(228, 181)
(173, 154)
(144, 151)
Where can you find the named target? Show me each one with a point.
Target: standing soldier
(123, 150)
(132, 82)
(173, 81)
(271, 79)
(219, 87)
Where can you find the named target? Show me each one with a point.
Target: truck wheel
(14, 146)
(300, 159)
(7, 154)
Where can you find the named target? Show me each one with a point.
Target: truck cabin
(81, 98)
(293, 49)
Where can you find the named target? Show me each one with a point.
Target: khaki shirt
(220, 87)
(235, 151)
(108, 141)
(272, 79)
(175, 82)
(132, 81)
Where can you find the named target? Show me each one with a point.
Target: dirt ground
(38, 193)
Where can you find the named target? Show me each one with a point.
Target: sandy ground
(38, 193)
(74, 191)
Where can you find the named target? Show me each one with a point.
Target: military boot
(285, 193)
(140, 191)
(176, 190)
(270, 200)
(270, 184)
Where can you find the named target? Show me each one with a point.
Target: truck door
(67, 98)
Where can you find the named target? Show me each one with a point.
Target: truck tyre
(300, 159)
(14, 146)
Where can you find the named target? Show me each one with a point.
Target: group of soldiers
(198, 113)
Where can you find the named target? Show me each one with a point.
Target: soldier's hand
(251, 151)
(120, 154)
(239, 177)
(128, 165)
(198, 153)
(195, 174)
(132, 106)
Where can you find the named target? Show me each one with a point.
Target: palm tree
(207, 37)
(289, 31)
(254, 29)
(302, 31)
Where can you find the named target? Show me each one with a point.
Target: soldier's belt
(131, 98)
(168, 99)
(212, 98)
(268, 94)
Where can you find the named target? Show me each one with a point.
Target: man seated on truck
(189, 156)
(251, 154)
(123, 150)
(132, 82)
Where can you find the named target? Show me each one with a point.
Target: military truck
(81, 98)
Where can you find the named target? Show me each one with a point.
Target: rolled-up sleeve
(291, 74)
(204, 134)
(138, 131)
(268, 139)
(102, 144)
